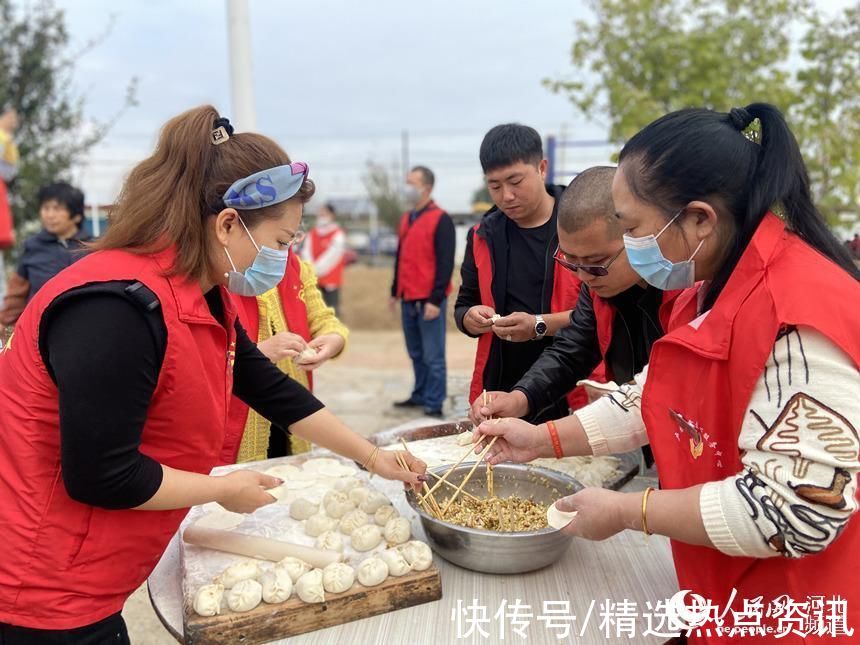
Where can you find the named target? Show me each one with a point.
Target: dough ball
(352, 520)
(302, 509)
(277, 585)
(338, 577)
(239, 571)
(318, 524)
(245, 595)
(397, 564)
(330, 541)
(294, 567)
(310, 586)
(358, 495)
(385, 513)
(207, 600)
(417, 554)
(337, 504)
(372, 571)
(374, 501)
(366, 537)
(397, 531)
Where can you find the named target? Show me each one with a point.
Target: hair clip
(221, 130)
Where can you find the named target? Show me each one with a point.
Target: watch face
(540, 328)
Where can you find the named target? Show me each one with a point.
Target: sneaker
(436, 414)
(408, 403)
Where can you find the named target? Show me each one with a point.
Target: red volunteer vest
(320, 243)
(68, 564)
(7, 227)
(706, 371)
(416, 264)
(565, 292)
(296, 313)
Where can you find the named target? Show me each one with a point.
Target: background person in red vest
(114, 388)
(617, 315)
(325, 248)
(750, 400)
(422, 282)
(509, 270)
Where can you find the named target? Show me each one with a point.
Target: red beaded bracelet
(556, 442)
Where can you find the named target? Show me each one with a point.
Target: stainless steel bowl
(491, 551)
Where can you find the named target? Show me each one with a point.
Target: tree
(384, 192)
(828, 111)
(640, 59)
(35, 78)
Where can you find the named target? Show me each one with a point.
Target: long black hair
(700, 154)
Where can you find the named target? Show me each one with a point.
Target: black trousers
(108, 631)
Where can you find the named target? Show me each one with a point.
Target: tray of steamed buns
(332, 549)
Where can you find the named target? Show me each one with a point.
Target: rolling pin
(257, 547)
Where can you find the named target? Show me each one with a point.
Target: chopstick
(433, 503)
(469, 475)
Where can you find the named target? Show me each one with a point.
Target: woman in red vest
(325, 248)
(750, 400)
(114, 388)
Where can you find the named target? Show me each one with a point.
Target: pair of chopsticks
(490, 491)
(431, 507)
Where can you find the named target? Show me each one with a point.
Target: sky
(336, 82)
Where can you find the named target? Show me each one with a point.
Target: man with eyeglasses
(617, 315)
(514, 297)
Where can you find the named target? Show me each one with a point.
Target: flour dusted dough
(338, 577)
(245, 595)
(207, 600)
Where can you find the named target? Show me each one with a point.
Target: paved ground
(360, 388)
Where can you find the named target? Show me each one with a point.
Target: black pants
(108, 631)
(331, 297)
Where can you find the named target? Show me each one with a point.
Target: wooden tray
(271, 622)
(628, 467)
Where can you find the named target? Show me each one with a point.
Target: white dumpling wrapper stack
(338, 577)
(245, 595)
(207, 600)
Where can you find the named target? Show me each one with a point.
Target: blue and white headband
(266, 187)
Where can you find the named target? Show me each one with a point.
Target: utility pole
(404, 155)
(244, 116)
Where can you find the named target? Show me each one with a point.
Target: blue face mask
(648, 261)
(265, 272)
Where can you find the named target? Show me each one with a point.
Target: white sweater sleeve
(799, 448)
(332, 255)
(613, 423)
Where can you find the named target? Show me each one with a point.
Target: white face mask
(646, 258)
(411, 195)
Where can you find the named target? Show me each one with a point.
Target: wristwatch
(540, 327)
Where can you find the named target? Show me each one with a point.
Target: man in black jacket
(590, 242)
(510, 298)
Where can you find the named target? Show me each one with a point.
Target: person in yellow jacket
(298, 332)
(8, 170)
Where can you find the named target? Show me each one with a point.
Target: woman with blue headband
(115, 387)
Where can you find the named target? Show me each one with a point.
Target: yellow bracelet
(371, 460)
(645, 495)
